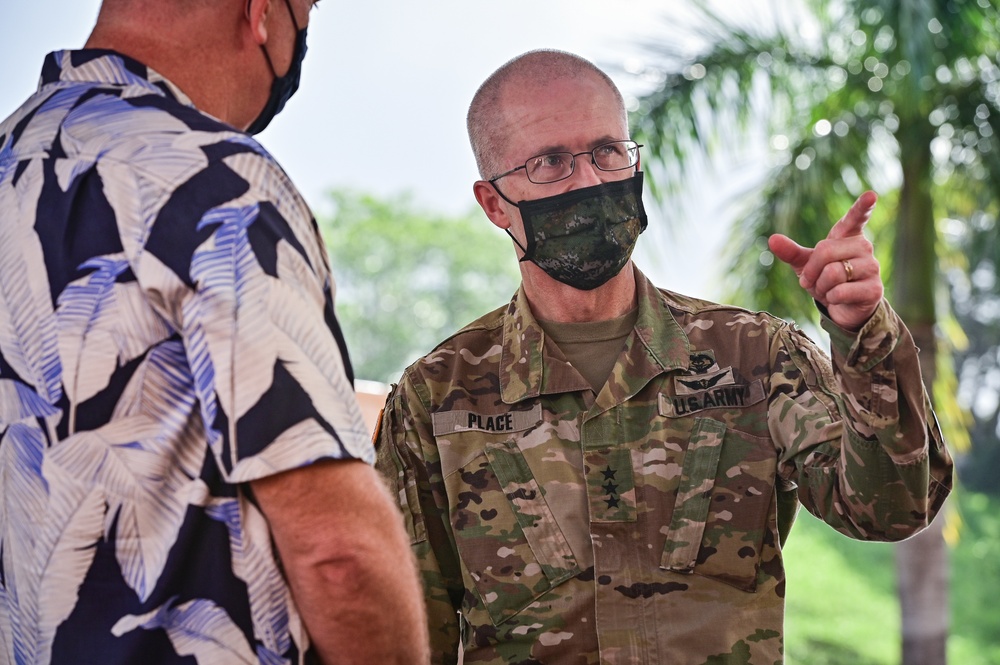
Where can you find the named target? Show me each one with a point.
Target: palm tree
(899, 95)
(976, 297)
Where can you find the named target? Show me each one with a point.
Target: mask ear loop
(525, 256)
(267, 56)
(529, 251)
(291, 12)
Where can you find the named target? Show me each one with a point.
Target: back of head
(167, 33)
(204, 47)
(151, 17)
(486, 120)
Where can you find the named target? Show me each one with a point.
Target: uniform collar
(106, 67)
(531, 366)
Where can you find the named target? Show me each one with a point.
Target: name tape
(459, 420)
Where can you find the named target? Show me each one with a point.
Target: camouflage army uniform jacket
(644, 524)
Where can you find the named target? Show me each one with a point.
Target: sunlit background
(376, 141)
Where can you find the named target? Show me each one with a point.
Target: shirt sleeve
(408, 459)
(235, 262)
(858, 436)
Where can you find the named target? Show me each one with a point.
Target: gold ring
(849, 269)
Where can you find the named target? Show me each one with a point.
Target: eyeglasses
(555, 166)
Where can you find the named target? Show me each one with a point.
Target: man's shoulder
(469, 345)
(487, 325)
(98, 122)
(160, 128)
(688, 310)
(101, 105)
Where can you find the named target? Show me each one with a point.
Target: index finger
(853, 223)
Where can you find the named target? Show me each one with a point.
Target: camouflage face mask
(584, 237)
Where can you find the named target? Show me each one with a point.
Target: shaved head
(116, 7)
(487, 121)
(216, 51)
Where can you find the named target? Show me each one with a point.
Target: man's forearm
(349, 565)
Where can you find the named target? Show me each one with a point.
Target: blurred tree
(406, 278)
(976, 296)
(899, 95)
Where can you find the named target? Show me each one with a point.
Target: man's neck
(554, 301)
(203, 73)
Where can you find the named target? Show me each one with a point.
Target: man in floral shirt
(184, 470)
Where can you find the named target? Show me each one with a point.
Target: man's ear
(491, 203)
(257, 12)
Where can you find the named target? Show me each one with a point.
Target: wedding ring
(849, 269)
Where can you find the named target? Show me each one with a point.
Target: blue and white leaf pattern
(86, 131)
(295, 274)
(316, 364)
(230, 310)
(143, 474)
(253, 562)
(6, 628)
(256, 167)
(303, 439)
(135, 189)
(198, 628)
(45, 563)
(57, 106)
(19, 402)
(27, 328)
(22, 448)
(64, 551)
(202, 368)
(112, 385)
(102, 325)
(86, 319)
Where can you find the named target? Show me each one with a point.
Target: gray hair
(485, 120)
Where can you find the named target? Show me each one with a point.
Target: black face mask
(282, 87)
(584, 237)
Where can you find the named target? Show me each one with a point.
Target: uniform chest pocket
(720, 515)
(506, 535)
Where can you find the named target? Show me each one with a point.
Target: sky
(385, 88)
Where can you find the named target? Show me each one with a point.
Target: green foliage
(975, 585)
(841, 606)
(972, 270)
(407, 278)
(851, 95)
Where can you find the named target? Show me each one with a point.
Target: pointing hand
(840, 272)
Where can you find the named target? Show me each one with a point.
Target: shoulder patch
(378, 428)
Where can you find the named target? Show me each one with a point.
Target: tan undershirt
(592, 347)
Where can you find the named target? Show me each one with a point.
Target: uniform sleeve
(859, 437)
(407, 458)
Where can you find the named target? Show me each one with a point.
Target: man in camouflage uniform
(603, 471)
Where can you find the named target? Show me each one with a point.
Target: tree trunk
(921, 561)
(922, 565)
(922, 573)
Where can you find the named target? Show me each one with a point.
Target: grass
(841, 603)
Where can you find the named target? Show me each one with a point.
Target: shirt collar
(529, 367)
(106, 67)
